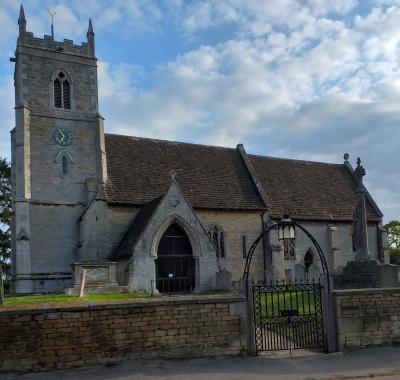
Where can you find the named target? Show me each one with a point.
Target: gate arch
(291, 315)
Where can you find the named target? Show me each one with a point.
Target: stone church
(148, 215)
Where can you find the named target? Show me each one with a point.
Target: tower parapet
(48, 43)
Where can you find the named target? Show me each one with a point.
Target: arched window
(62, 91)
(217, 236)
(64, 165)
(64, 160)
(308, 260)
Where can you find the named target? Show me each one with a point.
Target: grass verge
(64, 298)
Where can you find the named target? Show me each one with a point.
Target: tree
(5, 221)
(393, 231)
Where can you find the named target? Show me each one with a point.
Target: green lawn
(47, 298)
(273, 303)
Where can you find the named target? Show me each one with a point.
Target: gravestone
(224, 280)
(299, 272)
(313, 273)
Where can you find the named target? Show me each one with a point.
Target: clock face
(63, 136)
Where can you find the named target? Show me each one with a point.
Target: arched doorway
(174, 264)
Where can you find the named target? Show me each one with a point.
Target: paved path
(376, 363)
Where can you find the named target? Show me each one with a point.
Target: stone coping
(78, 306)
(344, 292)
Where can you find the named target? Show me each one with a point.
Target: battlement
(48, 43)
(67, 46)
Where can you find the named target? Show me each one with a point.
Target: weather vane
(51, 15)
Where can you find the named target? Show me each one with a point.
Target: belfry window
(62, 91)
(218, 238)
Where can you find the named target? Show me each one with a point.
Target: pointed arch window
(218, 238)
(64, 165)
(62, 91)
(308, 260)
(64, 159)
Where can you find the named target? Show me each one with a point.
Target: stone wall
(367, 317)
(235, 224)
(173, 327)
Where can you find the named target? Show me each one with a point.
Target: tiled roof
(217, 178)
(135, 230)
(210, 177)
(308, 190)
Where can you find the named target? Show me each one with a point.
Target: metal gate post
(251, 343)
(329, 314)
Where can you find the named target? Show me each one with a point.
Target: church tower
(58, 155)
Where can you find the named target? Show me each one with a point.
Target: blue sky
(306, 79)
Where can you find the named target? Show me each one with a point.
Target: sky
(303, 79)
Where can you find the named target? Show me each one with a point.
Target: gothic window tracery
(289, 252)
(62, 91)
(218, 238)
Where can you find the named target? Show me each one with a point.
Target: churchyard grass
(273, 303)
(64, 298)
(293, 330)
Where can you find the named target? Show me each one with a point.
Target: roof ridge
(220, 147)
(172, 141)
(295, 160)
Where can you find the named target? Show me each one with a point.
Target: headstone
(289, 275)
(313, 273)
(224, 280)
(367, 274)
(299, 272)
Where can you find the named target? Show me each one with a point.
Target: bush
(394, 256)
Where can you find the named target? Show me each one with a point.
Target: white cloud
(306, 79)
(309, 92)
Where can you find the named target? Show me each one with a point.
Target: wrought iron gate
(288, 316)
(175, 274)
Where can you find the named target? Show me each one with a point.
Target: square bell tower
(58, 155)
